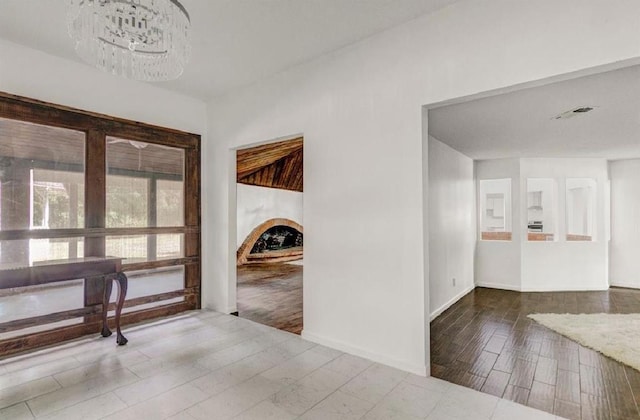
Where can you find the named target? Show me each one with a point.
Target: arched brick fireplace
(255, 242)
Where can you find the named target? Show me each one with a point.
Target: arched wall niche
(244, 251)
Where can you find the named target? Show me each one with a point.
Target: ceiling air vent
(573, 112)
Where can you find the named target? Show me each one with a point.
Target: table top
(48, 263)
(42, 272)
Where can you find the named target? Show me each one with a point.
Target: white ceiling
(235, 42)
(521, 124)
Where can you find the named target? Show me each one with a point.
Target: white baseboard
(625, 285)
(447, 305)
(227, 310)
(541, 289)
(564, 289)
(499, 286)
(358, 351)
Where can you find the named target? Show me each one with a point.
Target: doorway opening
(270, 234)
(523, 183)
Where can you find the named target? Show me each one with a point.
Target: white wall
(452, 225)
(258, 204)
(562, 265)
(625, 223)
(497, 263)
(34, 74)
(526, 265)
(360, 112)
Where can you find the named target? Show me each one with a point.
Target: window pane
(127, 202)
(581, 196)
(495, 209)
(41, 176)
(23, 252)
(27, 302)
(541, 202)
(57, 199)
(169, 246)
(139, 248)
(152, 282)
(56, 249)
(170, 203)
(128, 247)
(145, 184)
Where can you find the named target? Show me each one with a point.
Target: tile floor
(206, 365)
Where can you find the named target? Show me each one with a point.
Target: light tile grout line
(221, 367)
(26, 402)
(383, 397)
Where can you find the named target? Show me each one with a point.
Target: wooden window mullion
(152, 216)
(95, 191)
(94, 208)
(192, 219)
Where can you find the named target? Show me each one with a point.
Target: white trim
(625, 285)
(543, 289)
(565, 289)
(453, 300)
(499, 286)
(359, 351)
(229, 310)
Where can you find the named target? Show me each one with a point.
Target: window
(170, 201)
(541, 202)
(74, 184)
(495, 209)
(581, 199)
(41, 187)
(145, 184)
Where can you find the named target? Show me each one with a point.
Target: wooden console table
(106, 268)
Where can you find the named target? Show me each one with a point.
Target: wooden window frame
(96, 128)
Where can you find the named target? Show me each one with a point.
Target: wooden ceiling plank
(286, 172)
(254, 158)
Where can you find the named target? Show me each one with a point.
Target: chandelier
(140, 39)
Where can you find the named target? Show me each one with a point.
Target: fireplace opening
(277, 238)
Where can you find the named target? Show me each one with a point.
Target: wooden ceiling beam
(284, 174)
(254, 159)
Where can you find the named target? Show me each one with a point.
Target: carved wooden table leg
(122, 282)
(108, 283)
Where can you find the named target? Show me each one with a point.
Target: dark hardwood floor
(486, 342)
(271, 294)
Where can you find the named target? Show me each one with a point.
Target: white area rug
(614, 335)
